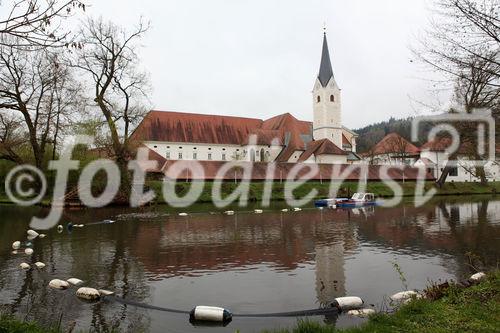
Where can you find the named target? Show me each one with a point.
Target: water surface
(248, 263)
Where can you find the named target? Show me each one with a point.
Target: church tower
(326, 102)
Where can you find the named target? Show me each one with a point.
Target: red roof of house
(394, 143)
(196, 128)
(321, 147)
(295, 133)
(282, 170)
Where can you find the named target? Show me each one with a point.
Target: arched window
(332, 98)
(252, 155)
(262, 157)
(318, 99)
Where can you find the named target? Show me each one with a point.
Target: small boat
(325, 203)
(357, 200)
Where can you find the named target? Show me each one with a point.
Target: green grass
(346, 189)
(475, 309)
(9, 324)
(323, 190)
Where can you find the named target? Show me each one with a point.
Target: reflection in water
(248, 263)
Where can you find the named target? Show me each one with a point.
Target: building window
(223, 157)
(155, 146)
(195, 156)
(168, 155)
(318, 99)
(209, 156)
(453, 172)
(180, 156)
(332, 98)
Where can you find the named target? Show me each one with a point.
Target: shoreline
(474, 309)
(256, 190)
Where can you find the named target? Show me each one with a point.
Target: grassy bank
(475, 309)
(9, 324)
(346, 189)
(256, 192)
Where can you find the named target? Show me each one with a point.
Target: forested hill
(372, 134)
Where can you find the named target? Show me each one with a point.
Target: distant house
(283, 138)
(433, 157)
(393, 149)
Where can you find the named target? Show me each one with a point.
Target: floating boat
(357, 200)
(325, 203)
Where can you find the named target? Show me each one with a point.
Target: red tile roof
(394, 143)
(196, 128)
(440, 144)
(325, 171)
(292, 130)
(321, 147)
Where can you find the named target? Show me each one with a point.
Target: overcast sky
(260, 58)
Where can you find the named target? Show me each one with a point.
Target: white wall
(295, 156)
(492, 169)
(331, 159)
(171, 151)
(327, 114)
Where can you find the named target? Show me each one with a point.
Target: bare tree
(35, 24)
(464, 44)
(11, 138)
(36, 92)
(119, 88)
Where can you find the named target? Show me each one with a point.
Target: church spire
(325, 69)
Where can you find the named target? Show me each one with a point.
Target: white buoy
(16, 245)
(24, 265)
(60, 228)
(297, 209)
(89, 294)
(477, 277)
(183, 214)
(41, 236)
(229, 212)
(32, 233)
(74, 281)
(347, 303)
(284, 210)
(39, 265)
(404, 295)
(361, 312)
(210, 313)
(104, 292)
(28, 251)
(58, 284)
(258, 211)
(14, 252)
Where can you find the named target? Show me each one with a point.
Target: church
(281, 139)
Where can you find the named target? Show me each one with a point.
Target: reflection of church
(330, 262)
(330, 274)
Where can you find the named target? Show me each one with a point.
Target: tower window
(318, 99)
(332, 98)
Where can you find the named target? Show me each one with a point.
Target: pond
(248, 263)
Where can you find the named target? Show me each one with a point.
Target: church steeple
(326, 102)
(325, 69)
